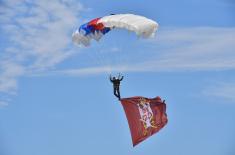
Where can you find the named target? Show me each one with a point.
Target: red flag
(145, 116)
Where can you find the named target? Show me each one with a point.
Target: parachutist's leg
(118, 93)
(115, 92)
(118, 96)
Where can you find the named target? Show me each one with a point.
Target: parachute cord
(93, 58)
(119, 60)
(104, 62)
(123, 60)
(98, 59)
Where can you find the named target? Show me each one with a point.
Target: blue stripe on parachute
(88, 29)
(105, 30)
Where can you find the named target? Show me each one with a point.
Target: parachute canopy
(98, 27)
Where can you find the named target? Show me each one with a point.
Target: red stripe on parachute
(96, 25)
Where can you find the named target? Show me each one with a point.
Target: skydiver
(116, 84)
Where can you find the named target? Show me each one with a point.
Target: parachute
(98, 27)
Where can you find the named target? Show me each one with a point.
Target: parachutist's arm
(119, 75)
(110, 78)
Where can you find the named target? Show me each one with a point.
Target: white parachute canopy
(142, 26)
(96, 28)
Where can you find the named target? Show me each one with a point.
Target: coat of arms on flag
(145, 116)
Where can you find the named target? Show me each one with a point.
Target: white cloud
(94, 70)
(204, 48)
(221, 90)
(115, 49)
(42, 31)
(8, 78)
(38, 35)
(3, 104)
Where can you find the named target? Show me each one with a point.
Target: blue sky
(55, 97)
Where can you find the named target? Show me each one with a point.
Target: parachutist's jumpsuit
(116, 84)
